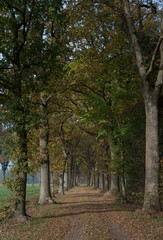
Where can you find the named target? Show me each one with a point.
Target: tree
(23, 53)
(151, 91)
(45, 193)
(16, 60)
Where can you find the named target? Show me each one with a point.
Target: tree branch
(154, 56)
(11, 6)
(138, 51)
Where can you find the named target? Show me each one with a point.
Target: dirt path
(90, 218)
(81, 214)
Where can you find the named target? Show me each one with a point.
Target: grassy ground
(6, 197)
(6, 194)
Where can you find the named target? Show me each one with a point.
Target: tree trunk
(20, 196)
(114, 186)
(45, 194)
(40, 178)
(151, 198)
(60, 187)
(64, 174)
(74, 176)
(66, 180)
(123, 180)
(91, 182)
(106, 183)
(20, 209)
(101, 181)
(94, 178)
(89, 179)
(69, 178)
(52, 181)
(63, 189)
(114, 183)
(72, 173)
(97, 180)
(123, 187)
(77, 179)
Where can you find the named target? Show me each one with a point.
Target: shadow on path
(87, 204)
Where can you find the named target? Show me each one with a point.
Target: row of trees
(70, 96)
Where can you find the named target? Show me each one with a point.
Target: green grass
(6, 194)
(32, 192)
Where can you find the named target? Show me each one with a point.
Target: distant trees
(4, 165)
(4, 156)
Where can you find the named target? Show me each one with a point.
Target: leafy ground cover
(84, 214)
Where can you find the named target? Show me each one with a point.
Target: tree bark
(91, 182)
(66, 180)
(20, 200)
(52, 181)
(63, 189)
(20, 197)
(40, 178)
(69, 177)
(151, 198)
(60, 187)
(77, 179)
(101, 181)
(97, 179)
(94, 177)
(74, 175)
(114, 188)
(106, 183)
(45, 194)
(123, 180)
(123, 187)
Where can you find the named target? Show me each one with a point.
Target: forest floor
(84, 214)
